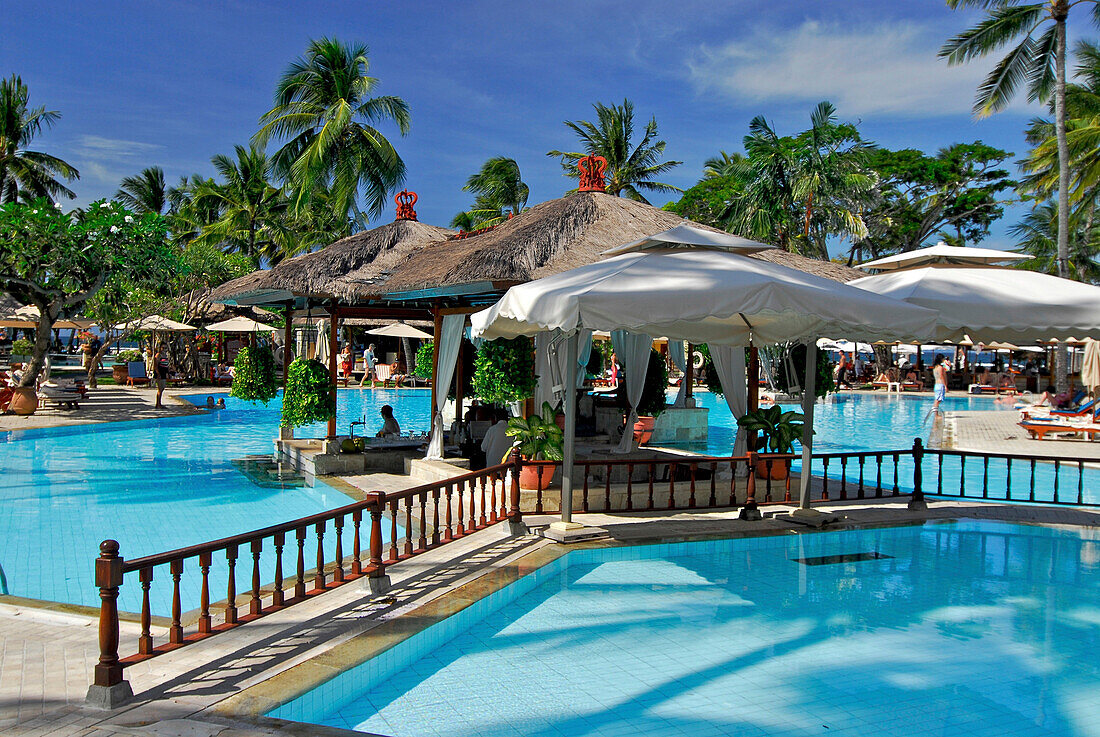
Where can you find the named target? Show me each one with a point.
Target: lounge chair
(911, 386)
(1039, 429)
(889, 386)
(1088, 407)
(135, 373)
(59, 397)
(383, 372)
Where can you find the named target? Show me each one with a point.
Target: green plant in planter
(504, 371)
(540, 438)
(22, 347)
(254, 377)
(309, 395)
(778, 429)
(129, 356)
(653, 398)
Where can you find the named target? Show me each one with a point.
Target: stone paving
(110, 404)
(997, 432)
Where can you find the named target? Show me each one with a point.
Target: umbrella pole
(805, 513)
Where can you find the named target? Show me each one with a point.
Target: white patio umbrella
(943, 254)
(322, 341)
(994, 304)
(401, 330)
(240, 325)
(1090, 367)
(702, 296)
(156, 323)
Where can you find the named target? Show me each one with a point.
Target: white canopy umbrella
(401, 330)
(944, 255)
(994, 304)
(240, 325)
(702, 296)
(156, 323)
(689, 236)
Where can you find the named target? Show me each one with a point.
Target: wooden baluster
(255, 604)
(175, 631)
(356, 542)
(377, 502)
(878, 475)
(629, 485)
(494, 514)
(145, 640)
(1057, 465)
(482, 519)
(897, 460)
(393, 530)
(277, 594)
(859, 490)
(108, 578)
(538, 491)
(649, 497)
(712, 501)
(962, 476)
(515, 513)
(985, 477)
(447, 528)
(204, 594)
(460, 527)
(607, 489)
(504, 492)
(1080, 482)
(672, 486)
(300, 581)
(787, 479)
(824, 479)
(733, 483)
(843, 478)
(319, 572)
(338, 573)
(584, 491)
(691, 495)
(1008, 480)
(1031, 491)
(408, 549)
(231, 588)
(435, 516)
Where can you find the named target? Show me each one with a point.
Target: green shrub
(254, 378)
(778, 429)
(128, 356)
(424, 355)
(504, 371)
(22, 347)
(309, 395)
(539, 436)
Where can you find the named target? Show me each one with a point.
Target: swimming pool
(969, 628)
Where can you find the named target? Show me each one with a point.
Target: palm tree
(27, 174)
(145, 192)
(323, 106)
(252, 213)
(187, 216)
(500, 192)
(1039, 62)
(724, 165)
(1037, 235)
(630, 168)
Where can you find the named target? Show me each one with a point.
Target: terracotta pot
(529, 477)
(778, 470)
(24, 401)
(559, 420)
(120, 372)
(643, 429)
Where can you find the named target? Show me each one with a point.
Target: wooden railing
(405, 524)
(416, 520)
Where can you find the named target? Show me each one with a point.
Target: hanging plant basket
(254, 377)
(310, 395)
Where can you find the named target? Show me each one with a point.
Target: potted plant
(652, 402)
(119, 371)
(778, 431)
(504, 371)
(254, 377)
(21, 350)
(309, 395)
(540, 439)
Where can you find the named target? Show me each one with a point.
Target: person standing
(369, 359)
(939, 375)
(347, 363)
(161, 368)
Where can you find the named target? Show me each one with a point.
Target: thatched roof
(371, 255)
(549, 238)
(8, 304)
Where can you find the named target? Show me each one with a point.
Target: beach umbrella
(994, 304)
(400, 330)
(943, 254)
(240, 325)
(702, 295)
(156, 324)
(1090, 367)
(322, 341)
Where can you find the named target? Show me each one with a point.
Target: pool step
(267, 474)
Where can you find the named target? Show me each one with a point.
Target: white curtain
(544, 370)
(632, 350)
(322, 341)
(450, 339)
(550, 365)
(584, 352)
(729, 363)
(676, 350)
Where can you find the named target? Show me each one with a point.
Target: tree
(1036, 235)
(724, 166)
(1039, 62)
(27, 174)
(630, 168)
(953, 193)
(57, 261)
(708, 200)
(323, 105)
(187, 215)
(253, 214)
(500, 191)
(145, 192)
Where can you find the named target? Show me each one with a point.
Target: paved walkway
(110, 404)
(997, 432)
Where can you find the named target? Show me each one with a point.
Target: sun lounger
(135, 373)
(1088, 407)
(910, 386)
(890, 386)
(383, 372)
(63, 398)
(1039, 429)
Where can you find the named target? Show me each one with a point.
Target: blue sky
(173, 83)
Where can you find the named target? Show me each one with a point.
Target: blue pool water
(972, 628)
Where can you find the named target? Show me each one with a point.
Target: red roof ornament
(405, 201)
(592, 169)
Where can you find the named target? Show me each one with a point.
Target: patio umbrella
(1090, 367)
(401, 330)
(994, 304)
(322, 341)
(941, 253)
(703, 296)
(240, 325)
(156, 324)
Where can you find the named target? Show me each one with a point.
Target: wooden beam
(384, 313)
(459, 310)
(754, 378)
(333, 349)
(288, 338)
(437, 334)
(689, 374)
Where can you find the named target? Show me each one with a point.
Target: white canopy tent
(986, 305)
(943, 255)
(706, 295)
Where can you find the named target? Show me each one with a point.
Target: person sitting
(397, 373)
(220, 404)
(210, 402)
(496, 444)
(390, 427)
(1006, 382)
(912, 378)
(1046, 399)
(223, 373)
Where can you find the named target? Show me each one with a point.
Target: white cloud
(107, 160)
(883, 69)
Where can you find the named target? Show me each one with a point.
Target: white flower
(104, 204)
(57, 205)
(128, 219)
(114, 228)
(34, 212)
